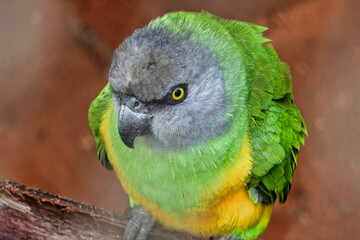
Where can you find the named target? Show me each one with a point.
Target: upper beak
(133, 123)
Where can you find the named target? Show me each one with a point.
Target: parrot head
(168, 90)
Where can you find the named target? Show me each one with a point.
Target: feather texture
(276, 126)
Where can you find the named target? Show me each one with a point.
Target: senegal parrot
(199, 124)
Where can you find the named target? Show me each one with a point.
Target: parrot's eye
(178, 94)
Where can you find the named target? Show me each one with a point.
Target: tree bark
(30, 213)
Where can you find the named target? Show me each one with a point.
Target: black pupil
(177, 93)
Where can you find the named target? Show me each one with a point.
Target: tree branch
(30, 213)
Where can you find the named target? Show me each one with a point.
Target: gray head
(167, 90)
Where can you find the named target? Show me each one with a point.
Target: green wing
(96, 112)
(276, 129)
(276, 141)
(276, 126)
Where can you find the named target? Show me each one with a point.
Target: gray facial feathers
(151, 62)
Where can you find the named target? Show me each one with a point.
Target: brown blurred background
(54, 59)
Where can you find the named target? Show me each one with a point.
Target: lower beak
(132, 124)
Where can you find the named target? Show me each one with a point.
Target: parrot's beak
(132, 123)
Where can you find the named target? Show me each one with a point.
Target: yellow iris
(178, 94)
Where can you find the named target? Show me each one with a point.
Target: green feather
(95, 115)
(276, 126)
(281, 151)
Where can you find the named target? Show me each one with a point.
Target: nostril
(136, 104)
